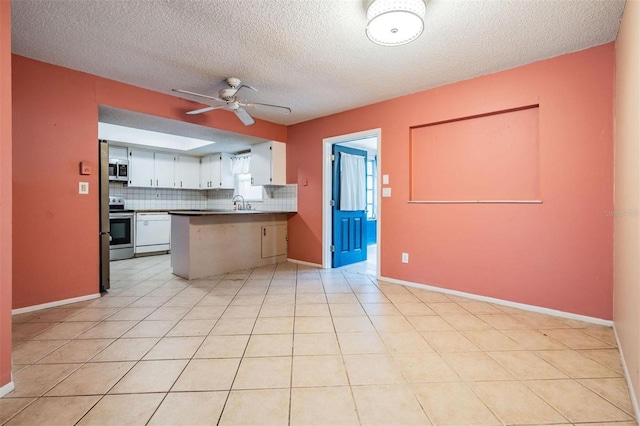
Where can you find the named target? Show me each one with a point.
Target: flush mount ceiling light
(395, 22)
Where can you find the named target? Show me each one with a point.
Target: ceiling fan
(231, 101)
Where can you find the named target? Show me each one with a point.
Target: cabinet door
(118, 153)
(221, 176)
(205, 172)
(278, 163)
(215, 171)
(260, 165)
(141, 168)
(187, 172)
(274, 240)
(226, 177)
(164, 170)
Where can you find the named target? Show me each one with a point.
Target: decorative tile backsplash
(274, 198)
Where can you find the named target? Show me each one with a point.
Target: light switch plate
(385, 179)
(83, 188)
(386, 192)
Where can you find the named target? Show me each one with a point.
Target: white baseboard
(7, 388)
(632, 393)
(523, 306)
(54, 304)
(302, 262)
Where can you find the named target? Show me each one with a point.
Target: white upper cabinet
(151, 169)
(118, 153)
(164, 170)
(141, 168)
(226, 177)
(205, 172)
(215, 172)
(269, 163)
(187, 172)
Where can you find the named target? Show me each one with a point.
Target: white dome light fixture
(395, 22)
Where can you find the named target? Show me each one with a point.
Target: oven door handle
(106, 233)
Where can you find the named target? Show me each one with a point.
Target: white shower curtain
(352, 182)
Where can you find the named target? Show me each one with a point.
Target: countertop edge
(229, 212)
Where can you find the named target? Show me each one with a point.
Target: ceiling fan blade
(186, 92)
(233, 91)
(244, 116)
(201, 110)
(248, 87)
(287, 110)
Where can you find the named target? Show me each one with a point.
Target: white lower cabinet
(274, 241)
(153, 232)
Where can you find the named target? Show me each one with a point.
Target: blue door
(349, 206)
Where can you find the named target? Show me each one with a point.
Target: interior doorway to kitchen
(369, 141)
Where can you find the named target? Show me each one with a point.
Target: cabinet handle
(156, 182)
(251, 181)
(151, 182)
(264, 231)
(180, 184)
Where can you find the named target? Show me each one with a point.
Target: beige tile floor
(295, 345)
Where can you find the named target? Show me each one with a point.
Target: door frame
(327, 186)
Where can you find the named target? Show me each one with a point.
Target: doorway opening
(370, 141)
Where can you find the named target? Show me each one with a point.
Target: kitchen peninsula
(212, 242)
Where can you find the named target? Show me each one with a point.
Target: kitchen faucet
(234, 201)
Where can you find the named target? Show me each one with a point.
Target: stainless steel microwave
(118, 170)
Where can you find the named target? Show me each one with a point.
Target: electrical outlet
(405, 257)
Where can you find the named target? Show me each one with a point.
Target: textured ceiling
(311, 55)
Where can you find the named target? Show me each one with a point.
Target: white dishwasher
(153, 232)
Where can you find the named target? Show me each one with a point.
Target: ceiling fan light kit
(231, 102)
(395, 22)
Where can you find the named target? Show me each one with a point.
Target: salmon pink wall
(556, 255)
(55, 252)
(5, 193)
(55, 127)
